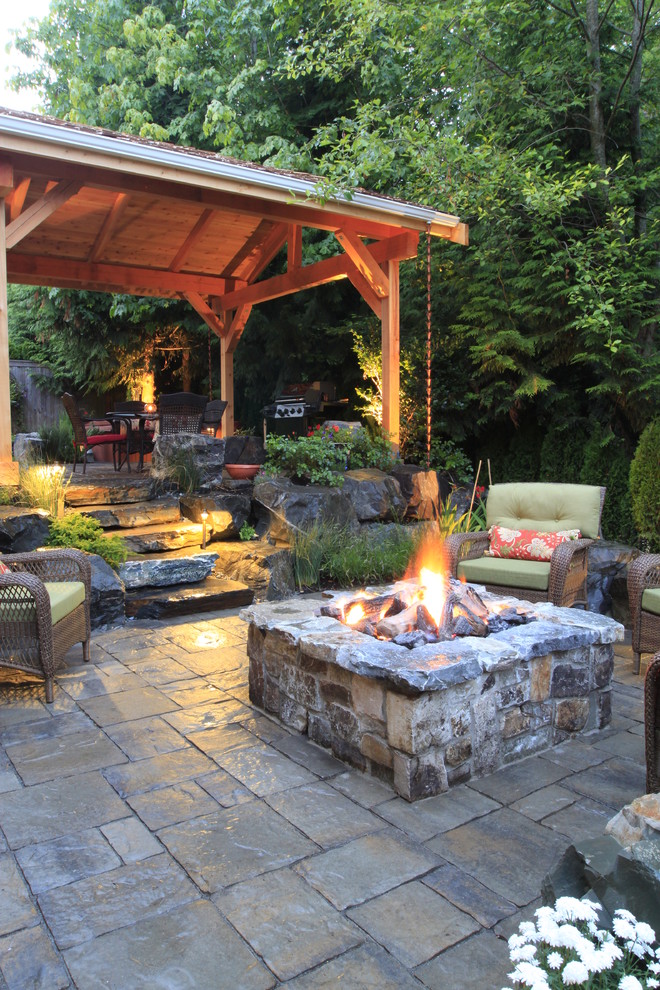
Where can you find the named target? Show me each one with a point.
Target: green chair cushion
(544, 506)
(651, 600)
(531, 574)
(64, 597)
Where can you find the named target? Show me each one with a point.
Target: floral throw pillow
(4, 569)
(527, 544)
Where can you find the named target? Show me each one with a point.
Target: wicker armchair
(644, 599)
(540, 506)
(652, 725)
(181, 412)
(81, 441)
(215, 410)
(44, 610)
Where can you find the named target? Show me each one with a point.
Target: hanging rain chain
(428, 348)
(210, 369)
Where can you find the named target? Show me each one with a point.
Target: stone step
(85, 491)
(160, 539)
(211, 595)
(131, 515)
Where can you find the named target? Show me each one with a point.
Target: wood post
(390, 348)
(227, 384)
(8, 469)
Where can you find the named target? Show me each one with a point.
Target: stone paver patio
(158, 833)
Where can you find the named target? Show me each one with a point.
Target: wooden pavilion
(87, 208)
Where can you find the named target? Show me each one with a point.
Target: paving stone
(225, 789)
(623, 744)
(479, 962)
(192, 692)
(307, 809)
(9, 780)
(58, 807)
(504, 850)
(127, 705)
(615, 782)
(361, 788)
(413, 922)
(287, 923)
(469, 895)
(191, 943)
(169, 805)
(366, 867)
(28, 961)
(221, 738)
(424, 819)
(64, 860)
(158, 771)
(539, 804)
(16, 908)
(234, 844)
(519, 779)
(365, 968)
(92, 682)
(583, 819)
(74, 753)
(205, 716)
(83, 910)
(131, 840)
(211, 662)
(45, 728)
(575, 754)
(160, 670)
(24, 706)
(146, 737)
(265, 728)
(264, 770)
(300, 749)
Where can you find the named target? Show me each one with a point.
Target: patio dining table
(128, 419)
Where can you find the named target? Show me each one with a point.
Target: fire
(434, 592)
(354, 615)
(430, 568)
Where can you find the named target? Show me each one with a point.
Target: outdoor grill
(291, 411)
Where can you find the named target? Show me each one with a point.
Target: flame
(355, 614)
(434, 592)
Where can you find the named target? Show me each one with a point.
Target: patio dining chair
(139, 438)
(215, 410)
(82, 440)
(181, 412)
(644, 601)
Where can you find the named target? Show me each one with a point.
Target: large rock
(244, 450)
(160, 573)
(169, 450)
(267, 570)
(83, 490)
(420, 489)
(374, 495)
(28, 448)
(22, 529)
(108, 594)
(156, 512)
(622, 868)
(227, 511)
(283, 508)
(608, 564)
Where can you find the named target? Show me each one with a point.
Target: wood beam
(270, 247)
(364, 261)
(8, 468)
(390, 354)
(227, 384)
(237, 326)
(294, 246)
(183, 253)
(39, 211)
(16, 199)
(109, 226)
(243, 259)
(360, 283)
(6, 178)
(204, 310)
(33, 270)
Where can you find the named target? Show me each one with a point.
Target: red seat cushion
(106, 438)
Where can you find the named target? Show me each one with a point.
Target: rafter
(40, 211)
(204, 310)
(109, 226)
(364, 261)
(191, 240)
(294, 246)
(16, 198)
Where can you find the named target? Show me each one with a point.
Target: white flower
(654, 967)
(630, 983)
(570, 937)
(644, 932)
(530, 976)
(574, 972)
(623, 927)
(626, 915)
(528, 929)
(555, 960)
(524, 952)
(651, 982)
(570, 909)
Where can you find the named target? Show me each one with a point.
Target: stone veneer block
(423, 720)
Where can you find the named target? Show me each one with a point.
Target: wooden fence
(38, 408)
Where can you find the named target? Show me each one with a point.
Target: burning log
(425, 621)
(463, 616)
(394, 625)
(377, 607)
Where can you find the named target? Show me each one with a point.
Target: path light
(205, 516)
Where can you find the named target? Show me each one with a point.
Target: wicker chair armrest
(567, 557)
(465, 546)
(643, 573)
(54, 565)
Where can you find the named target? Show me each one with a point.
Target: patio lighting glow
(205, 516)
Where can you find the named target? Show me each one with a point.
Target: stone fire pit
(424, 719)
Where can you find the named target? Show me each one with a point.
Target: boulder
(107, 600)
(374, 495)
(169, 450)
(227, 511)
(28, 448)
(608, 564)
(156, 512)
(267, 570)
(83, 490)
(244, 450)
(420, 489)
(160, 573)
(284, 508)
(22, 529)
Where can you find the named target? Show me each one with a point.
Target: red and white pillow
(4, 569)
(527, 544)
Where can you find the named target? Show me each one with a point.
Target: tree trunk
(186, 379)
(635, 119)
(596, 118)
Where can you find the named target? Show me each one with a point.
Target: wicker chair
(81, 441)
(213, 414)
(44, 610)
(644, 599)
(138, 441)
(652, 725)
(563, 581)
(181, 412)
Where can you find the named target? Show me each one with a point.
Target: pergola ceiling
(91, 209)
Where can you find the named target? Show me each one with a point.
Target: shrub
(58, 441)
(43, 486)
(448, 458)
(645, 486)
(247, 532)
(335, 556)
(325, 453)
(183, 470)
(84, 533)
(607, 463)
